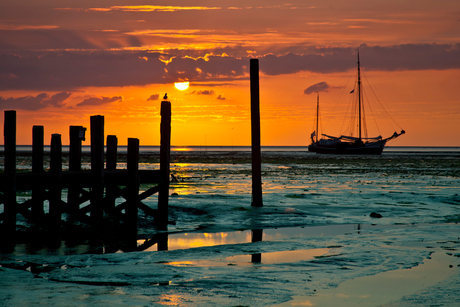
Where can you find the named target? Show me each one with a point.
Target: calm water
(146, 149)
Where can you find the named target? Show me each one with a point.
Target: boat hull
(347, 148)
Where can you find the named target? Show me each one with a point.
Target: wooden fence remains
(91, 194)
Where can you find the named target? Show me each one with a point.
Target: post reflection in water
(257, 235)
(163, 241)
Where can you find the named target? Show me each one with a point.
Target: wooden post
(111, 164)
(37, 168)
(112, 144)
(55, 191)
(132, 189)
(76, 136)
(9, 188)
(97, 170)
(255, 134)
(165, 154)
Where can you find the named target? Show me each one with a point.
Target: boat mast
(359, 97)
(317, 115)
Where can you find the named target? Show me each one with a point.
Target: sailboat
(349, 144)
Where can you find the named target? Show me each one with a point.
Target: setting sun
(181, 86)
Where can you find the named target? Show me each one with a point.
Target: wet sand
(319, 243)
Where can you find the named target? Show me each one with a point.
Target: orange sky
(61, 62)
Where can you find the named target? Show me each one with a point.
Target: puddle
(162, 242)
(260, 258)
(281, 257)
(193, 240)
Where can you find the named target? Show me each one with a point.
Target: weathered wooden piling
(76, 136)
(255, 135)
(97, 170)
(38, 191)
(112, 150)
(55, 190)
(9, 187)
(132, 194)
(165, 156)
(111, 165)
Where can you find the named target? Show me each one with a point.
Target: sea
(333, 230)
(148, 149)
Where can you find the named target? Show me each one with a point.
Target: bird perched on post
(166, 96)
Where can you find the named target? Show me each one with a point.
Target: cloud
(73, 69)
(372, 20)
(57, 71)
(382, 58)
(320, 87)
(58, 99)
(203, 92)
(221, 97)
(97, 101)
(27, 27)
(167, 33)
(153, 97)
(32, 103)
(152, 8)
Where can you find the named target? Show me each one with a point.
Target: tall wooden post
(38, 192)
(165, 155)
(97, 170)
(132, 190)
(112, 150)
(111, 164)
(9, 188)
(76, 136)
(255, 134)
(55, 191)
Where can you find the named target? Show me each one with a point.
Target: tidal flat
(318, 244)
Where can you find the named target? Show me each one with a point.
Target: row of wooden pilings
(101, 186)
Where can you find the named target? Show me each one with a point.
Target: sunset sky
(63, 61)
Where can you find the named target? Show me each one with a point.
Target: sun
(181, 86)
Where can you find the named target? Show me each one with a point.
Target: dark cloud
(32, 103)
(97, 101)
(153, 97)
(388, 58)
(320, 87)
(43, 39)
(34, 70)
(221, 97)
(212, 68)
(73, 69)
(203, 92)
(58, 99)
(58, 39)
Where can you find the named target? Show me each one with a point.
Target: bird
(166, 96)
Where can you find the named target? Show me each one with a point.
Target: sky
(64, 61)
